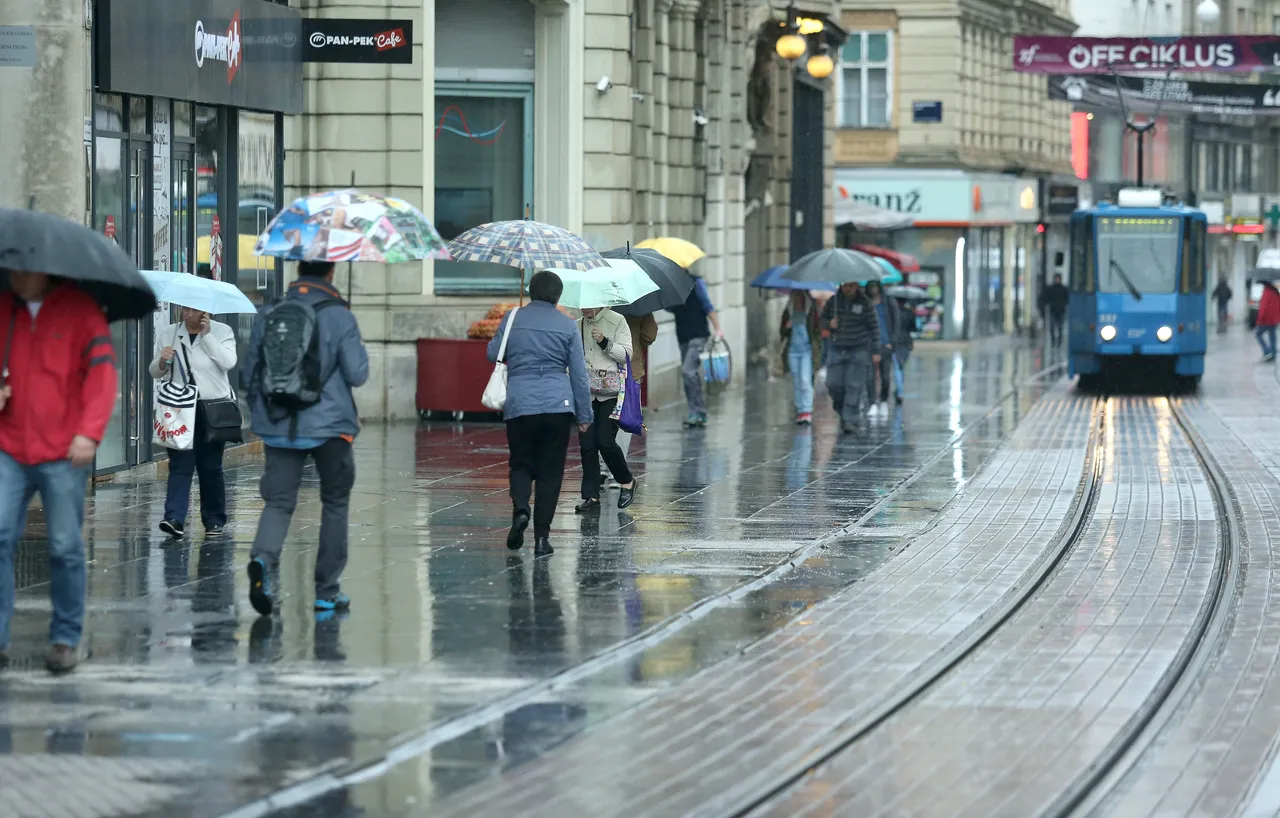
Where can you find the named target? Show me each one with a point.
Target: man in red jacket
(57, 389)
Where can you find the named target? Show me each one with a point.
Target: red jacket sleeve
(97, 372)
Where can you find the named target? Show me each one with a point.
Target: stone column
(680, 213)
(558, 112)
(607, 196)
(660, 149)
(42, 110)
(642, 119)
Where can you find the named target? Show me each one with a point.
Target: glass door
(138, 334)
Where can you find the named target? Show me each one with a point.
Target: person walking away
(855, 336)
(888, 317)
(644, 331)
(206, 350)
(1268, 318)
(606, 340)
(802, 351)
(1056, 297)
(695, 319)
(903, 343)
(57, 391)
(547, 391)
(1222, 295)
(304, 358)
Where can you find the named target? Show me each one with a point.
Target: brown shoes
(61, 659)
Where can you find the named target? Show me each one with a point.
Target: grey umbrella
(34, 242)
(836, 264)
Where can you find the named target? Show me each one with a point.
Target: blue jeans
(204, 459)
(62, 488)
(691, 373)
(801, 363)
(1266, 339)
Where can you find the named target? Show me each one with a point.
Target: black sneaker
(259, 587)
(172, 527)
(587, 506)
(515, 537)
(542, 547)
(214, 531)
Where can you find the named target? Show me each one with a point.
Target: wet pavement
(460, 660)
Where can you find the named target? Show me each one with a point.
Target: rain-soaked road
(459, 660)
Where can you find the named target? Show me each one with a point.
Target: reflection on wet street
(460, 659)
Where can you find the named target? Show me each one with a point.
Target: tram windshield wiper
(1115, 265)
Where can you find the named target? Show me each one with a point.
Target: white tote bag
(495, 393)
(174, 424)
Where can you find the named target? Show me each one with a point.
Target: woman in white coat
(607, 341)
(203, 351)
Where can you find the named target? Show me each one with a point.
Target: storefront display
(182, 179)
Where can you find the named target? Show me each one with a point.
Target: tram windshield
(1138, 254)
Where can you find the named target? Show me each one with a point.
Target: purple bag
(632, 417)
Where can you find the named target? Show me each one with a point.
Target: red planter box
(452, 374)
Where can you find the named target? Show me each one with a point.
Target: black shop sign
(1063, 200)
(357, 41)
(241, 53)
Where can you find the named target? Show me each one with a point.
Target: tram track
(1087, 792)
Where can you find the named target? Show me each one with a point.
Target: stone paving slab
(745, 720)
(1214, 759)
(1033, 707)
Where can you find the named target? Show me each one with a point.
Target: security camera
(603, 85)
(700, 119)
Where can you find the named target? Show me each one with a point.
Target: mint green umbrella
(622, 282)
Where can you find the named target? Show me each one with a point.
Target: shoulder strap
(506, 333)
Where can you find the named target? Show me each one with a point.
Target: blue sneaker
(259, 587)
(337, 602)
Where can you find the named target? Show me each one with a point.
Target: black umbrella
(835, 264)
(1265, 274)
(674, 282)
(34, 242)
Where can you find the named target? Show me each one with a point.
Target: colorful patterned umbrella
(526, 244)
(347, 225)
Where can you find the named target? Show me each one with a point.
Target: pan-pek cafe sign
(1098, 55)
(1149, 95)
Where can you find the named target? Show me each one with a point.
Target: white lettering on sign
(383, 41)
(1152, 54)
(220, 47)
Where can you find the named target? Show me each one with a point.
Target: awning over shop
(864, 216)
(903, 261)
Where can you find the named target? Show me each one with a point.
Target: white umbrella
(205, 294)
(865, 216)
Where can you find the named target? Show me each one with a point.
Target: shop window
(865, 81)
(108, 113)
(484, 173)
(138, 123)
(209, 140)
(181, 119)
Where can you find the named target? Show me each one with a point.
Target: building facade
(969, 160)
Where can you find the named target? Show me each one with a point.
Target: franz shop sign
(926, 199)
(1034, 54)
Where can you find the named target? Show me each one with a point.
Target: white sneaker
(822, 374)
(884, 408)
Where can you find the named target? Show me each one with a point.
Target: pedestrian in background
(903, 343)
(850, 319)
(57, 390)
(644, 331)
(1053, 305)
(1222, 295)
(304, 358)
(206, 350)
(606, 340)
(802, 350)
(695, 319)
(1268, 318)
(547, 391)
(888, 317)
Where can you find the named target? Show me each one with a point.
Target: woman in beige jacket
(606, 338)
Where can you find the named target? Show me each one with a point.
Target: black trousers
(538, 445)
(601, 441)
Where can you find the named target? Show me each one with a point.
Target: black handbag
(220, 418)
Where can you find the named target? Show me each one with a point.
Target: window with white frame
(866, 80)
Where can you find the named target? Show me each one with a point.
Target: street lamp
(820, 66)
(1208, 12)
(791, 47)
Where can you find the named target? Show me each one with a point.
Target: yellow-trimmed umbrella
(684, 253)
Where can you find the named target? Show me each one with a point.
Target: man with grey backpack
(304, 358)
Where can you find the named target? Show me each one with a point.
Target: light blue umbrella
(205, 294)
(622, 282)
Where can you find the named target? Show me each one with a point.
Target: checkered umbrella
(526, 244)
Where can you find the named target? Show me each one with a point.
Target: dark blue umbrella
(772, 279)
(35, 242)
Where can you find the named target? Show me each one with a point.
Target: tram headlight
(1108, 333)
(1164, 333)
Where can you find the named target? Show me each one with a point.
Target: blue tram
(1137, 282)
